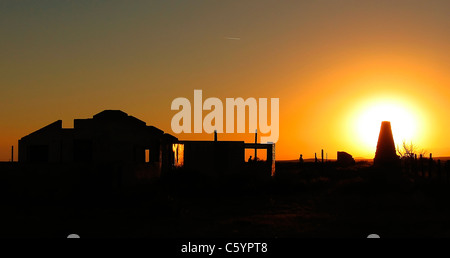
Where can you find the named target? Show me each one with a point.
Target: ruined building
(110, 140)
(344, 159)
(121, 145)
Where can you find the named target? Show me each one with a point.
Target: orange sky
(327, 62)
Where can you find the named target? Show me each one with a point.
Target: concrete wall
(214, 158)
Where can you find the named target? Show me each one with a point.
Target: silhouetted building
(218, 158)
(386, 153)
(344, 159)
(125, 148)
(110, 138)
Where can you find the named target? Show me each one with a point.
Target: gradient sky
(327, 62)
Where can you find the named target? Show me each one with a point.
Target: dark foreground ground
(306, 202)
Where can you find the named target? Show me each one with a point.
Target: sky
(336, 66)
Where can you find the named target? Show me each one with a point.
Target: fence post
(421, 166)
(430, 166)
(439, 169)
(416, 171)
(413, 165)
(447, 170)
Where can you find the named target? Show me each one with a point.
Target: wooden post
(410, 165)
(439, 168)
(322, 164)
(256, 141)
(447, 170)
(421, 166)
(416, 171)
(430, 165)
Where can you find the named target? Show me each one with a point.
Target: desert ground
(301, 201)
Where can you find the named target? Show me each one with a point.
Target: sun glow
(404, 122)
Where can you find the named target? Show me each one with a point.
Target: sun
(403, 122)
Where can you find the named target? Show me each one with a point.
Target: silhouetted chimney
(386, 154)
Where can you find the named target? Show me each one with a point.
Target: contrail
(232, 38)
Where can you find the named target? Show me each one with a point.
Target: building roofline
(57, 125)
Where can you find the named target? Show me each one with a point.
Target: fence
(426, 169)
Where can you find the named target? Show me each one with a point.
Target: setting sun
(405, 124)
